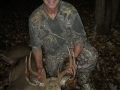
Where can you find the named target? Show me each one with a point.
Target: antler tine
(73, 58)
(60, 75)
(44, 77)
(72, 62)
(72, 66)
(29, 66)
(70, 57)
(30, 71)
(27, 74)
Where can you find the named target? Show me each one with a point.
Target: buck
(24, 75)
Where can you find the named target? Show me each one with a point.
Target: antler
(30, 71)
(72, 62)
(71, 65)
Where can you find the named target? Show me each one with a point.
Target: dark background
(14, 15)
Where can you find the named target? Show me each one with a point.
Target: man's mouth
(52, 2)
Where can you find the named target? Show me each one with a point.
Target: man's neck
(52, 12)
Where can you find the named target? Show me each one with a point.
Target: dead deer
(50, 83)
(28, 81)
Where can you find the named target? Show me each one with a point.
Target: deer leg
(8, 60)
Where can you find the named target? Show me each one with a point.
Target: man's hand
(38, 59)
(40, 74)
(70, 69)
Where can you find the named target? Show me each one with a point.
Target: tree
(105, 15)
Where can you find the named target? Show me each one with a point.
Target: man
(56, 25)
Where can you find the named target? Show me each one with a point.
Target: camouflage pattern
(55, 35)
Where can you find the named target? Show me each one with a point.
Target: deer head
(49, 83)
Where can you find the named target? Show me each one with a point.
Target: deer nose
(64, 79)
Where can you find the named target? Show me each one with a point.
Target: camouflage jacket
(55, 35)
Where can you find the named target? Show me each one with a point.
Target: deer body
(22, 84)
(23, 75)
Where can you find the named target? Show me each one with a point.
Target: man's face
(51, 4)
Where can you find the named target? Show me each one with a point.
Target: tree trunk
(115, 6)
(107, 18)
(105, 15)
(99, 14)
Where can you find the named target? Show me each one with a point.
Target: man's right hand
(38, 59)
(40, 74)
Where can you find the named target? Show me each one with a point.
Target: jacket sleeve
(78, 32)
(34, 32)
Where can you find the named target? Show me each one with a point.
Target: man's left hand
(70, 69)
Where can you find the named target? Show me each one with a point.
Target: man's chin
(52, 7)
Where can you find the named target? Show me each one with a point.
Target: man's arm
(36, 44)
(38, 58)
(77, 50)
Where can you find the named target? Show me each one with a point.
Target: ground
(14, 30)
